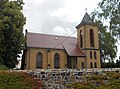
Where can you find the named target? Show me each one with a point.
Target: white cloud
(58, 30)
(45, 15)
(73, 11)
(61, 31)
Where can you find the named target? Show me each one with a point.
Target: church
(44, 51)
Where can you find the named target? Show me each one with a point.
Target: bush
(3, 67)
(16, 80)
(109, 81)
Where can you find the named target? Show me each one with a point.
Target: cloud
(38, 14)
(58, 30)
(47, 16)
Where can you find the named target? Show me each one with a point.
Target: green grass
(16, 80)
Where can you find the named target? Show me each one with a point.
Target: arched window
(39, 60)
(91, 65)
(82, 64)
(81, 39)
(90, 54)
(95, 65)
(95, 57)
(91, 38)
(56, 60)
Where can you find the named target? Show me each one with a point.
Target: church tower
(88, 41)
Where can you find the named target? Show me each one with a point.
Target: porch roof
(73, 50)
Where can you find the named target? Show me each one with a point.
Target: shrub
(16, 80)
(3, 67)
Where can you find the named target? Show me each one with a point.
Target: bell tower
(88, 41)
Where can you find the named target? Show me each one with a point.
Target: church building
(45, 51)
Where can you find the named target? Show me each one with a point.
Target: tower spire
(86, 20)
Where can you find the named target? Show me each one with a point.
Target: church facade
(45, 51)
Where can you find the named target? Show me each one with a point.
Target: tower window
(81, 39)
(90, 54)
(91, 65)
(95, 65)
(95, 55)
(91, 38)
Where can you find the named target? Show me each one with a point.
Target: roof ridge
(48, 34)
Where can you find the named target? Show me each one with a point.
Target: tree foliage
(12, 39)
(107, 17)
(109, 10)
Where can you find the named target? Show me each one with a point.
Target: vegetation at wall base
(16, 80)
(3, 67)
(111, 80)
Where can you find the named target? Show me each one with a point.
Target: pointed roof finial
(86, 9)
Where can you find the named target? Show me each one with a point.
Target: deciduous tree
(107, 15)
(12, 39)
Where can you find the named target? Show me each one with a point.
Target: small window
(90, 54)
(91, 65)
(56, 60)
(95, 65)
(82, 64)
(91, 38)
(95, 57)
(81, 39)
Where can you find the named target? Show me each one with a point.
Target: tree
(107, 15)
(109, 10)
(108, 48)
(12, 38)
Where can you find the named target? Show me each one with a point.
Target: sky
(58, 17)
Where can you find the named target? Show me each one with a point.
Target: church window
(82, 64)
(91, 65)
(81, 39)
(95, 55)
(56, 60)
(39, 60)
(90, 54)
(91, 38)
(95, 65)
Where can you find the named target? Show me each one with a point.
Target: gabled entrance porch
(71, 62)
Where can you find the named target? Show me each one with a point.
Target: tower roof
(86, 21)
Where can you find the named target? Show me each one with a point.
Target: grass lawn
(16, 80)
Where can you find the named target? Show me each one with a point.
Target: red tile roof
(54, 42)
(74, 51)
